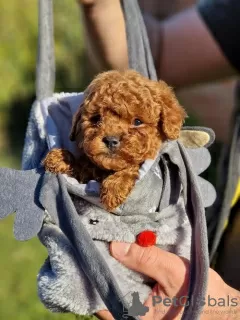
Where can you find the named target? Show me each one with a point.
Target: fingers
(169, 270)
(104, 315)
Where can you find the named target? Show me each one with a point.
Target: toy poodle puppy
(122, 122)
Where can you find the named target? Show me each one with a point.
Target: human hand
(171, 273)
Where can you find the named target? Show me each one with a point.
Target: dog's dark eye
(137, 122)
(95, 119)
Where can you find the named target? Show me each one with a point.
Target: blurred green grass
(21, 261)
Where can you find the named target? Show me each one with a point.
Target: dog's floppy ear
(172, 115)
(77, 116)
(75, 123)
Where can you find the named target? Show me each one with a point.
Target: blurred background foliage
(20, 262)
(18, 52)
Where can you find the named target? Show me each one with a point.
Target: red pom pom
(146, 238)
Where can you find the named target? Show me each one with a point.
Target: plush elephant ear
(19, 193)
(196, 137)
(196, 140)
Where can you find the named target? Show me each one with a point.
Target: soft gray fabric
(45, 73)
(171, 225)
(19, 190)
(139, 53)
(49, 190)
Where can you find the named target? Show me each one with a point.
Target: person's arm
(171, 273)
(184, 50)
(189, 53)
(105, 34)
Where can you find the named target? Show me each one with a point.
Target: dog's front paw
(111, 200)
(59, 161)
(116, 188)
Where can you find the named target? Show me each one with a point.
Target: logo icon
(136, 308)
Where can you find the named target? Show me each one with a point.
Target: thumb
(169, 270)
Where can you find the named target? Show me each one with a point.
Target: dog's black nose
(111, 142)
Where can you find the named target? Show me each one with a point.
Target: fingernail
(119, 249)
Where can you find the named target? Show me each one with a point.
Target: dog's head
(124, 119)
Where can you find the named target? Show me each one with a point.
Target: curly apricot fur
(112, 102)
(60, 161)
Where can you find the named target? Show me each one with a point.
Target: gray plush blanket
(79, 275)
